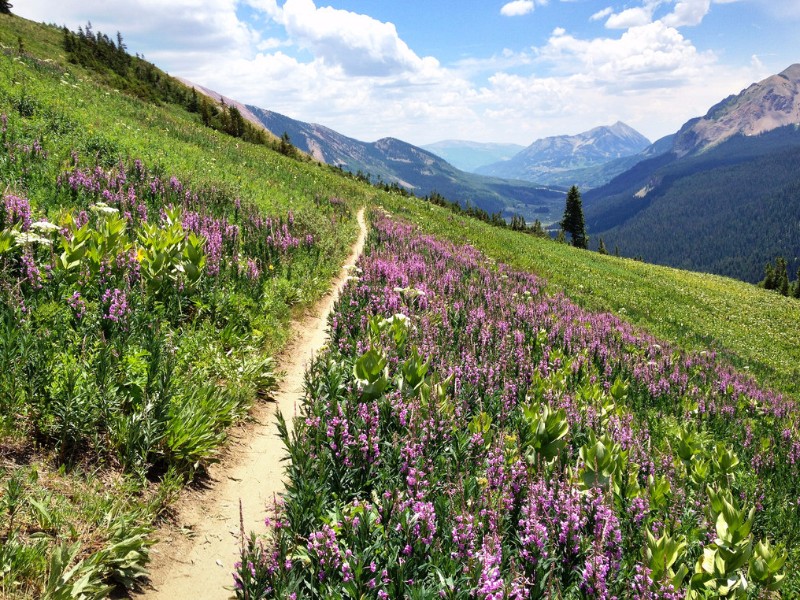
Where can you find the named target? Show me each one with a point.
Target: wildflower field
(469, 435)
(472, 431)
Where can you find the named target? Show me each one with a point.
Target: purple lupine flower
(77, 304)
(17, 211)
(118, 308)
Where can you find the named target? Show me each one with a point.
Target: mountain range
(722, 195)
(569, 159)
(393, 161)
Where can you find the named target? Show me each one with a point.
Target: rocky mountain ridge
(771, 103)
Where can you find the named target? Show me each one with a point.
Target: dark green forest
(728, 211)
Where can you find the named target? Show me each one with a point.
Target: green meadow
(94, 395)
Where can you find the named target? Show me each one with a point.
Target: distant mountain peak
(552, 156)
(771, 103)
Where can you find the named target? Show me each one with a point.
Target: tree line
(776, 277)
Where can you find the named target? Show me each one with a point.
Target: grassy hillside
(112, 399)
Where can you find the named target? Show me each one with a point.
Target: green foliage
(572, 222)
(766, 565)
(662, 554)
(370, 372)
(170, 256)
(548, 430)
(122, 560)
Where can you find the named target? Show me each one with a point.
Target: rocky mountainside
(548, 159)
(762, 107)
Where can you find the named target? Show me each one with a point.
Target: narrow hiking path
(195, 555)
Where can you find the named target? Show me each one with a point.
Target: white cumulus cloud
(357, 75)
(602, 14)
(517, 8)
(357, 43)
(630, 17)
(687, 12)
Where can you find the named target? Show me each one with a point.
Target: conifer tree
(286, 147)
(601, 248)
(781, 276)
(769, 277)
(205, 111)
(5, 7)
(573, 222)
(194, 102)
(796, 288)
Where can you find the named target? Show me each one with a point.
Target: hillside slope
(728, 210)
(113, 399)
(753, 328)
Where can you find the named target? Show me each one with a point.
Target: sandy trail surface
(194, 556)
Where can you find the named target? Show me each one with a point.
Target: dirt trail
(194, 557)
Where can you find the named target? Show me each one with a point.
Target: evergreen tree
(205, 111)
(796, 288)
(5, 7)
(573, 222)
(601, 248)
(193, 105)
(561, 238)
(537, 229)
(236, 124)
(781, 276)
(286, 148)
(769, 282)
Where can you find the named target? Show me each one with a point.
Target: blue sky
(428, 70)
